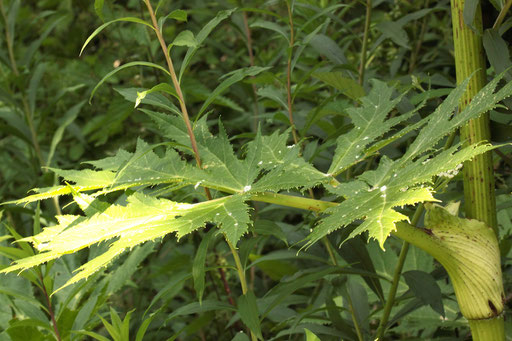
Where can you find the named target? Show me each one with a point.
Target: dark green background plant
(301, 84)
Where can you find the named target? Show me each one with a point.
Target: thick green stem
(289, 75)
(482, 312)
(469, 60)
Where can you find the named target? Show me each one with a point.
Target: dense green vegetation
(243, 170)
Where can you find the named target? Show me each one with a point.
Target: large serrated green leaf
(369, 123)
(142, 219)
(374, 195)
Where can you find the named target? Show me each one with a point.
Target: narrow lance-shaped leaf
(99, 29)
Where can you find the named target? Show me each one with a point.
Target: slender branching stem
(502, 14)
(227, 289)
(9, 41)
(14, 67)
(193, 142)
(396, 278)
(354, 318)
(49, 305)
(416, 51)
(289, 74)
(177, 87)
(241, 275)
(239, 268)
(364, 48)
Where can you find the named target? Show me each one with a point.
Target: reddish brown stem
(49, 304)
(177, 86)
(227, 289)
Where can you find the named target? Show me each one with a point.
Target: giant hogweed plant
(266, 170)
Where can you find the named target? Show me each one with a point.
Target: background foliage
(189, 289)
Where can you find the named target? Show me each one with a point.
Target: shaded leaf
(425, 287)
(248, 310)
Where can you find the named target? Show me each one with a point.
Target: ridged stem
(289, 74)
(240, 270)
(177, 87)
(478, 174)
(479, 196)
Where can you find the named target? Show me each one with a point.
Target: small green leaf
(34, 86)
(184, 38)
(194, 308)
(234, 77)
(469, 12)
(144, 327)
(360, 304)
(395, 32)
(177, 14)
(425, 287)
(198, 268)
(269, 228)
(154, 98)
(68, 118)
(248, 310)
(272, 27)
(497, 51)
(240, 336)
(347, 86)
(94, 335)
(201, 36)
(127, 65)
(274, 94)
(11, 18)
(328, 47)
(98, 8)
